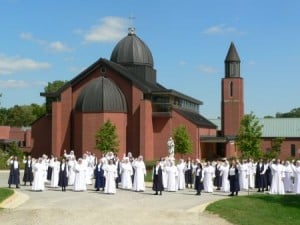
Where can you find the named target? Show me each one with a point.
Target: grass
(5, 193)
(259, 209)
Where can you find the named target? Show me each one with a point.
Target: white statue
(171, 147)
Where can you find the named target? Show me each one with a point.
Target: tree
(274, 152)
(294, 113)
(51, 88)
(183, 142)
(107, 138)
(54, 86)
(249, 137)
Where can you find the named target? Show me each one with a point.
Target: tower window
(231, 89)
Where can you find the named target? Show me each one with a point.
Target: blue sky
(43, 41)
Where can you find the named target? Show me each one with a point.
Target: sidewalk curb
(14, 201)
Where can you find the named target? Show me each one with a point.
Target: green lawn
(5, 193)
(259, 209)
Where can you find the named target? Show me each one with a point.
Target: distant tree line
(294, 113)
(25, 115)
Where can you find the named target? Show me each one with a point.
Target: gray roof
(232, 55)
(275, 127)
(196, 118)
(131, 50)
(101, 95)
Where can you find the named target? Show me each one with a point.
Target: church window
(293, 150)
(231, 89)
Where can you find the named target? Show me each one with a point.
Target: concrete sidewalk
(125, 207)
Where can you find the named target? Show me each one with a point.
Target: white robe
(209, 174)
(139, 175)
(225, 182)
(164, 164)
(296, 170)
(88, 179)
(243, 176)
(55, 165)
(172, 176)
(71, 172)
(126, 173)
(80, 178)
(110, 174)
(287, 180)
(181, 177)
(252, 171)
(38, 183)
(277, 186)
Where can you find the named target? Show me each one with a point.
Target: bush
(150, 164)
(3, 159)
(10, 150)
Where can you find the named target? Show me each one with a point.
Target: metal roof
(275, 127)
(232, 55)
(196, 118)
(131, 50)
(101, 95)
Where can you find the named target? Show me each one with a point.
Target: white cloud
(222, 29)
(9, 65)
(9, 84)
(56, 46)
(207, 69)
(110, 29)
(251, 62)
(182, 63)
(59, 47)
(26, 36)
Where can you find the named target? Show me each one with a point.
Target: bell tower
(232, 94)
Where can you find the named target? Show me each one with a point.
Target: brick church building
(125, 91)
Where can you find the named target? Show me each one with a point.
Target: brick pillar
(146, 130)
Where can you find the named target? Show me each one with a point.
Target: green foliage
(150, 164)
(249, 137)
(243, 210)
(5, 193)
(23, 115)
(10, 150)
(294, 113)
(274, 152)
(3, 159)
(107, 138)
(182, 140)
(54, 86)
(51, 88)
(3, 116)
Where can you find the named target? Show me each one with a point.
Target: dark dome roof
(101, 95)
(131, 50)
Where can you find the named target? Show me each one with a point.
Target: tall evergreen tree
(249, 137)
(107, 138)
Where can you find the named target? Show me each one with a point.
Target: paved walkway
(54, 207)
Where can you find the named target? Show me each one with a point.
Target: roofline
(75, 80)
(179, 94)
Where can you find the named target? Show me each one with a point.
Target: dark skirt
(49, 173)
(157, 183)
(14, 176)
(188, 175)
(63, 179)
(28, 174)
(198, 184)
(234, 183)
(99, 178)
